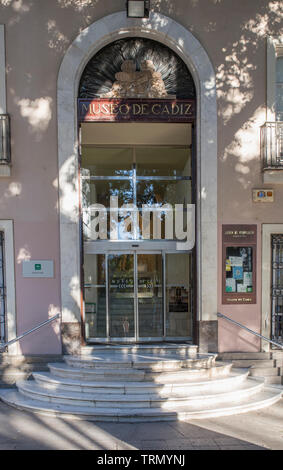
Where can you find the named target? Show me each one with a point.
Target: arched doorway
(136, 112)
(90, 41)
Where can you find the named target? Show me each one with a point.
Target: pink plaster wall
(38, 34)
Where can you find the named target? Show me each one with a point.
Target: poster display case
(239, 244)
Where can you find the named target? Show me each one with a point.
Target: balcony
(5, 152)
(271, 143)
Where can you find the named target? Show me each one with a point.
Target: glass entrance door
(121, 295)
(150, 295)
(135, 296)
(138, 296)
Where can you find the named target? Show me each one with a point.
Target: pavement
(21, 430)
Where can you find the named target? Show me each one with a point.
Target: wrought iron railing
(271, 138)
(5, 152)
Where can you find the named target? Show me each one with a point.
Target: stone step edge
(154, 358)
(111, 347)
(30, 388)
(130, 360)
(143, 365)
(61, 367)
(240, 374)
(13, 398)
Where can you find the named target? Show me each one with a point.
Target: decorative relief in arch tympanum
(136, 68)
(131, 83)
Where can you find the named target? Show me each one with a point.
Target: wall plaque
(239, 243)
(38, 268)
(135, 109)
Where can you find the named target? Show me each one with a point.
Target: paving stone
(144, 430)
(123, 431)
(226, 441)
(8, 446)
(19, 430)
(241, 447)
(158, 444)
(180, 444)
(191, 430)
(204, 443)
(206, 448)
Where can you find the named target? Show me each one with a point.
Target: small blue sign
(238, 272)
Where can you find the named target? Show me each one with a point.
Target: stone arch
(87, 43)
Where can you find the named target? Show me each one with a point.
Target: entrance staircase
(268, 365)
(141, 383)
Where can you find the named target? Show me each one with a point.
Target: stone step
(264, 371)
(23, 367)
(187, 349)
(277, 354)
(263, 399)
(60, 370)
(51, 382)
(21, 360)
(8, 380)
(229, 356)
(268, 363)
(144, 361)
(274, 379)
(137, 375)
(192, 398)
(142, 385)
(10, 375)
(15, 367)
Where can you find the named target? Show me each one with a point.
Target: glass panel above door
(100, 192)
(140, 176)
(163, 161)
(163, 192)
(107, 161)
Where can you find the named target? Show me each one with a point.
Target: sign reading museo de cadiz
(155, 110)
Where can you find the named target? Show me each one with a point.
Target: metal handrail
(221, 315)
(8, 343)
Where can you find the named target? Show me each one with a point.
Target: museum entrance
(138, 276)
(136, 114)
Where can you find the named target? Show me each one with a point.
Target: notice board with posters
(239, 247)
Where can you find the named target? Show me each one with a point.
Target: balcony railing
(5, 154)
(271, 138)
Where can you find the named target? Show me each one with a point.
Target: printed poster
(248, 279)
(241, 288)
(230, 285)
(228, 265)
(236, 260)
(238, 272)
